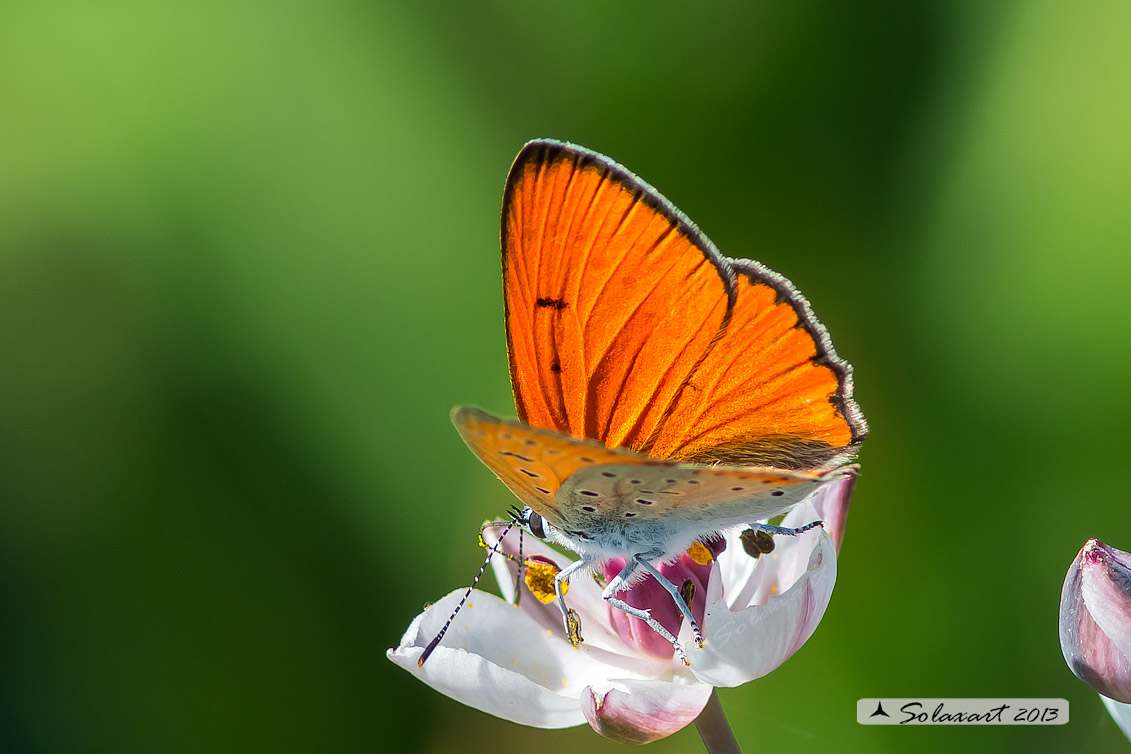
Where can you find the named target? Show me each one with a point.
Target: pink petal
(637, 712)
(831, 503)
(650, 595)
(1095, 619)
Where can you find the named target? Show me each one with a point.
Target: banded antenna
(508, 525)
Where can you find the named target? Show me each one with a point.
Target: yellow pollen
(540, 581)
(699, 553)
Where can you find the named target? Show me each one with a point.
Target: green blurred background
(249, 260)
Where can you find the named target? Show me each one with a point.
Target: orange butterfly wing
(626, 325)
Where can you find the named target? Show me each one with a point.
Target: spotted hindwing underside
(580, 483)
(705, 497)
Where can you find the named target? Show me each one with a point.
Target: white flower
(516, 662)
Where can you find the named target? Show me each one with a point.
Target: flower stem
(714, 729)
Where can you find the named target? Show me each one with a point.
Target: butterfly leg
(757, 539)
(570, 617)
(674, 592)
(619, 582)
(786, 530)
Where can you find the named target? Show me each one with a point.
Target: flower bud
(643, 711)
(1095, 619)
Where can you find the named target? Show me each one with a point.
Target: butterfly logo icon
(665, 393)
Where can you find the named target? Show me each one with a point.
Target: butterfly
(665, 393)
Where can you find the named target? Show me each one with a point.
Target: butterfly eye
(536, 524)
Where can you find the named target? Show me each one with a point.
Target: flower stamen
(573, 621)
(757, 542)
(540, 575)
(699, 553)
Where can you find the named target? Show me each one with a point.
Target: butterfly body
(665, 393)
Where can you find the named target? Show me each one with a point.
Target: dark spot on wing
(608, 474)
(736, 489)
(588, 508)
(777, 493)
(528, 472)
(551, 303)
(642, 501)
(590, 493)
(556, 367)
(542, 490)
(587, 459)
(629, 515)
(693, 481)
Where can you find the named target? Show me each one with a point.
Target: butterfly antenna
(447, 624)
(516, 517)
(518, 571)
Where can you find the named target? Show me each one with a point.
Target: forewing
(611, 297)
(770, 392)
(626, 325)
(533, 462)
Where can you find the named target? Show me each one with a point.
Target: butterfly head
(530, 522)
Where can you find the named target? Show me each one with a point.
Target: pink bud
(643, 711)
(1095, 619)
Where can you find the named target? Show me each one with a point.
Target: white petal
(748, 642)
(749, 581)
(496, 658)
(637, 712)
(1120, 712)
